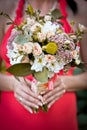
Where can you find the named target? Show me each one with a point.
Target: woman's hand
(23, 93)
(51, 96)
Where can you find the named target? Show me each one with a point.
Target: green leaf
(21, 39)
(21, 69)
(56, 14)
(42, 76)
(8, 23)
(30, 10)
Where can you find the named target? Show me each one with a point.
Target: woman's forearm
(72, 83)
(6, 82)
(75, 82)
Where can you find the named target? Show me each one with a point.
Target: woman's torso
(62, 115)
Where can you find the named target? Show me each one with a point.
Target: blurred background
(81, 17)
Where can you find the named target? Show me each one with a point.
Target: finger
(27, 108)
(52, 92)
(28, 98)
(26, 103)
(57, 82)
(55, 99)
(29, 104)
(32, 93)
(51, 103)
(57, 95)
(27, 90)
(25, 81)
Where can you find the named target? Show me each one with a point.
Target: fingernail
(40, 97)
(64, 91)
(40, 104)
(36, 106)
(49, 106)
(35, 112)
(44, 102)
(31, 111)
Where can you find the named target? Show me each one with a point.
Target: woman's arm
(65, 84)
(6, 82)
(83, 49)
(75, 82)
(22, 91)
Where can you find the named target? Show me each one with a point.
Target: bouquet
(41, 47)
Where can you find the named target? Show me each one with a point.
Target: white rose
(82, 28)
(30, 21)
(35, 26)
(41, 37)
(77, 61)
(37, 50)
(28, 47)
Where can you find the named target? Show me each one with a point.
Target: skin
(67, 84)
(23, 91)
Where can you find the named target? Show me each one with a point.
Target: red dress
(13, 116)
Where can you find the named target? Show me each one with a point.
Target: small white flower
(82, 28)
(47, 18)
(15, 45)
(54, 67)
(77, 61)
(67, 42)
(14, 57)
(73, 37)
(75, 53)
(35, 26)
(39, 63)
(49, 27)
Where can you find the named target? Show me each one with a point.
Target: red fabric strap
(63, 5)
(19, 11)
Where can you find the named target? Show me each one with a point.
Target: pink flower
(50, 58)
(27, 47)
(37, 49)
